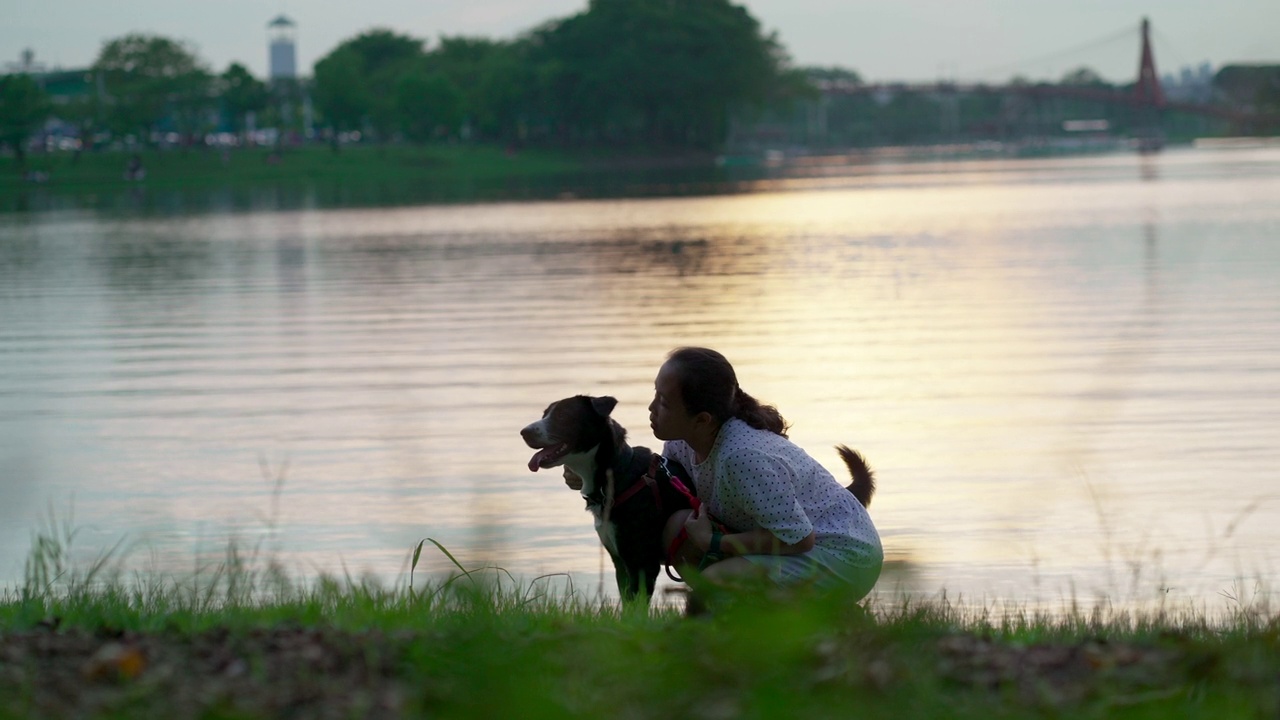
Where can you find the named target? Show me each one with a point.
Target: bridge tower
(1147, 91)
(1148, 99)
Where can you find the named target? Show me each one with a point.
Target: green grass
(207, 167)
(240, 639)
(201, 179)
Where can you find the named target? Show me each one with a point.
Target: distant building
(283, 55)
(1190, 84)
(62, 85)
(26, 64)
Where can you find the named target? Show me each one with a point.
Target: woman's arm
(752, 542)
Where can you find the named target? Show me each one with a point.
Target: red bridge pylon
(1147, 90)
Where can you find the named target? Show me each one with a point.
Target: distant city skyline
(907, 40)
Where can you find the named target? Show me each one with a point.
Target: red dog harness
(658, 464)
(637, 486)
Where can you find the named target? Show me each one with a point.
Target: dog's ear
(603, 405)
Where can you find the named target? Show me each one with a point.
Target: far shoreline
(207, 179)
(353, 175)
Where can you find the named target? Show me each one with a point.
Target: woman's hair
(709, 384)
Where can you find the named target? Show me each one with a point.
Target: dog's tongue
(543, 455)
(548, 456)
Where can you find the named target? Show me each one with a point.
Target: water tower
(283, 57)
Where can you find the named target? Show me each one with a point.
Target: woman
(784, 516)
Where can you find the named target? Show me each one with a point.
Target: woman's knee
(732, 570)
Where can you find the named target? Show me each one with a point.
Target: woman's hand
(751, 542)
(572, 480)
(699, 528)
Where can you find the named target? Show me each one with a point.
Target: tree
(341, 93)
(192, 104)
(1255, 87)
(1083, 77)
(23, 108)
(427, 103)
(151, 79)
(835, 76)
(87, 114)
(496, 82)
(241, 94)
(910, 117)
(664, 72)
(356, 81)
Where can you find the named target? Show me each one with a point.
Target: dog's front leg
(627, 582)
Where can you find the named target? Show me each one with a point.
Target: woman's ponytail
(709, 384)
(761, 417)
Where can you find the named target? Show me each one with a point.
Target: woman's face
(667, 414)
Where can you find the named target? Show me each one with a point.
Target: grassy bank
(253, 177)
(206, 167)
(243, 641)
(355, 651)
(363, 175)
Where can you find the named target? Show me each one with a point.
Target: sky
(883, 40)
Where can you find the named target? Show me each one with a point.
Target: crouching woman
(768, 510)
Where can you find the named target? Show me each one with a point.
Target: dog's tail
(864, 479)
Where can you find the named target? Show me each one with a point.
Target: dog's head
(571, 426)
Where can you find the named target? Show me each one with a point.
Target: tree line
(671, 75)
(137, 86)
(653, 73)
(659, 73)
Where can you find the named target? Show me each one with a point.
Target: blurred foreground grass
(243, 640)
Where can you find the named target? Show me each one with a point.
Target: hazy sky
(884, 40)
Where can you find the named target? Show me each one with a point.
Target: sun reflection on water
(1053, 369)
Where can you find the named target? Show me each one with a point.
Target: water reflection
(146, 264)
(1149, 168)
(1044, 364)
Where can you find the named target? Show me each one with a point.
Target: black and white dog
(628, 493)
(629, 490)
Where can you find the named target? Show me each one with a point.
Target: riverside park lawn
(197, 178)
(242, 640)
(361, 174)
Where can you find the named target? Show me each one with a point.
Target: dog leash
(657, 463)
(718, 528)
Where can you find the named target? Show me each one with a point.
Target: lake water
(1066, 372)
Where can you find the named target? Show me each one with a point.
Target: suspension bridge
(1145, 99)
